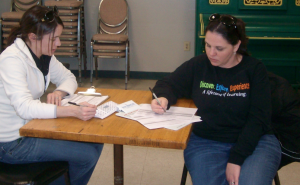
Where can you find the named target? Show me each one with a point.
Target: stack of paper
(175, 118)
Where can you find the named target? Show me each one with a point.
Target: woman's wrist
(68, 111)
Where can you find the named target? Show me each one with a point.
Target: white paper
(152, 120)
(94, 100)
(173, 113)
(128, 106)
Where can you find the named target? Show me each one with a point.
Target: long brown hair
(31, 22)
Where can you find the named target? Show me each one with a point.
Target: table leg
(118, 165)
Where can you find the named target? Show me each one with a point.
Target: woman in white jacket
(26, 68)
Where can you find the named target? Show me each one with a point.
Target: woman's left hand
(233, 173)
(55, 97)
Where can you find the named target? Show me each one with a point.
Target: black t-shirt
(234, 103)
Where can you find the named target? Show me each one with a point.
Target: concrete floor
(153, 166)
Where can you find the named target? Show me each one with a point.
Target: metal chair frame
(80, 51)
(101, 30)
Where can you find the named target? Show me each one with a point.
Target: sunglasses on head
(49, 16)
(228, 21)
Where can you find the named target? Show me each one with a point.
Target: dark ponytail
(231, 33)
(15, 31)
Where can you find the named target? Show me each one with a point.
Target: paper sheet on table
(181, 113)
(95, 100)
(161, 121)
(170, 124)
(128, 106)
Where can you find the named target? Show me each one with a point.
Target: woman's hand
(55, 97)
(86, 111)
(233, 173)
(157, 108)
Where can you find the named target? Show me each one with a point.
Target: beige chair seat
(69, 18)
(69, 43)
(67, 12)
(5, 35)
(69, 31)
(12, 15)
(66, 54)
(109, 37)
(73, 36)
(110, 30)
(10, 24)
(110, 55)
(109, 47)
(70, 24)
(6, 30)
(69, 4)
(67, 48)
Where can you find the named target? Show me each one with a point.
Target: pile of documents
(175, 118)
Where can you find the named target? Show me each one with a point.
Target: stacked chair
(111, 40)
(12, 18)
(73, 36)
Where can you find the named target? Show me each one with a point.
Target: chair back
(113, 17)
(23, 5)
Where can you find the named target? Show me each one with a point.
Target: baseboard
(121, 74)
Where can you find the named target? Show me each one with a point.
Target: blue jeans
(82, 157)
(206, 161)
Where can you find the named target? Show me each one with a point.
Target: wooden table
(113, 129)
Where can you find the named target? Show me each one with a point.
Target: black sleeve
(258, 121)
(178, 84)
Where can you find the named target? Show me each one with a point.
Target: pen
(156, 99)
(76, 104)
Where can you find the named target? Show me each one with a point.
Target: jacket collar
(21, 45)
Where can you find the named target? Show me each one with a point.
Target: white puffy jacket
(21, 86)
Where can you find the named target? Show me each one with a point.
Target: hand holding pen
(158, 105)
(83, 111)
